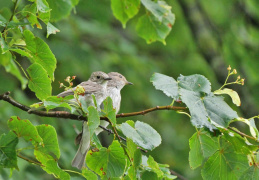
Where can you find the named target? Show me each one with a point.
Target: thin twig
(242, 134)
(29, 160)
(179, 176)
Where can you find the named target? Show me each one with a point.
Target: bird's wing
(89, 86)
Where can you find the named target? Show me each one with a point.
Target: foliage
(222, 151)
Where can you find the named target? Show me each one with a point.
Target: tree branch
(67, 115)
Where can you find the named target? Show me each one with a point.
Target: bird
(96, 85)
(114, 88)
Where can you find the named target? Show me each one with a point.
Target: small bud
(67, 79)
(242, 81)
(238, 77)
(61, 85)
(234, 71)
(73, 77)
(229, 68)
(71, 84)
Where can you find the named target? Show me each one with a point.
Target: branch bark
(67, 115)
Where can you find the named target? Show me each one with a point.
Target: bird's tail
(79, 159)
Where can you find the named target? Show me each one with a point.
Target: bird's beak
(130, 83)
(109, 78)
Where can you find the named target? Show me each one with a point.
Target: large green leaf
(195, 83)
(24, 128)
(7, 61)
(225, 163)
(93, 120)
(207, 110)
(40, 53)
(166, 84)
(109, 162)
(8, 158)
(124, 10)
(202, 145)
(49, 150)
(159, 24)
(39, 81)
(142, 134)
(252, 173)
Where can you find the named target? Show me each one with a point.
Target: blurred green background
(206, 37)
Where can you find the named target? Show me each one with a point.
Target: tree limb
(67, 115)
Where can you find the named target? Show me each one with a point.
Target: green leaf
(159, 23)
(207, 110)
(109, 111)
(252, 173)
(49, 149)
(225, 163)
(251, 123)
(43, 6)
(60, 9)
(166, 84)
(39, 81)
(55, 101)
(21, 52)
(109, 162)
(149, 175)
(195, 83)
(93, 120)
(40, 53)
(89, 174)
(143, 135)
(137, 158)
(124, 10)
(7, 61)
(29, 12)
(154, 166)
(3, 44)
(24, 128)
(96, 141)
(8, 158)
(233, 94)
(202, 145)
(240, 144)
(53, 168)
(51, 29)
(155, 8)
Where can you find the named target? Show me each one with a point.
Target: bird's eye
(120, 76)
(98, 77)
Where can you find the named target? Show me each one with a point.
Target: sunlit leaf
(233, 94)
(39, 81)
(89, 174)
(40, 52)
(142, 134)
(51, 29)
